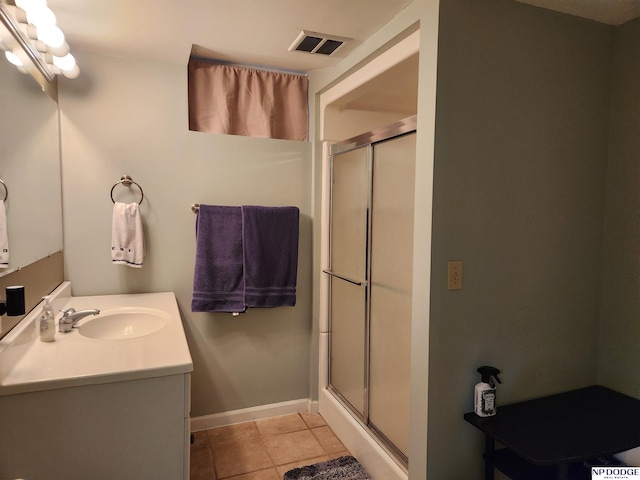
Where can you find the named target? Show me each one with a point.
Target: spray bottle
(485, 392)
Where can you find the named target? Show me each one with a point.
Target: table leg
(489, 449)
(562, 472)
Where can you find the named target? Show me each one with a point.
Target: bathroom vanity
(110, 399)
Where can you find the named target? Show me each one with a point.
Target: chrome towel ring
(126, 181)
(6, 190)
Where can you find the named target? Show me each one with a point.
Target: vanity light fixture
(37, 38)
(13, 58)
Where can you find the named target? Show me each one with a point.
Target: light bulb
(27, 5)
(72, 73)
(60, 51)
(13, 58)
(41, 17)
(51, 36)
(65, 63)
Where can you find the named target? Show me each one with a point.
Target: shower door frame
(366, 140)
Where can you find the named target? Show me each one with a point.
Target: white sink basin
(145, 328)
(123, 323)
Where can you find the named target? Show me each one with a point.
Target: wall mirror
(29, 167)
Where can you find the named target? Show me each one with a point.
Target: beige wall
(619, 325)
(521, 152)
(125, 116)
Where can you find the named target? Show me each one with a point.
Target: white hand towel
(127, 236)
(4, 237)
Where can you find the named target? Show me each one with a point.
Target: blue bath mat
(343, 468)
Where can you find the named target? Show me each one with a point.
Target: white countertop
(27, 364)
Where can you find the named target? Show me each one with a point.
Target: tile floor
(263, 449)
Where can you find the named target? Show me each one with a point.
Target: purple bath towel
(218, 284)
(245, 257)
(270, 243)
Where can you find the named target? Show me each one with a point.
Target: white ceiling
(253, 32)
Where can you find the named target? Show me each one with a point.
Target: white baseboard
(253, 413)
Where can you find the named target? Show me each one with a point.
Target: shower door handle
(346, 279)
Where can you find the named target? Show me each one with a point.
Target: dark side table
(550, 437)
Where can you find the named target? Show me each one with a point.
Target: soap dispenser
(485, 392)
(47, 321)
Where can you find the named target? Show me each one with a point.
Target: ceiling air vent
(314, 42)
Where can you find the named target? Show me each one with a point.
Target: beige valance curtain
(247, 101)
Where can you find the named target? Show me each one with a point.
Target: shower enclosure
(370, 269)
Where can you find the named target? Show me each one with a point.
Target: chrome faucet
(70, 317)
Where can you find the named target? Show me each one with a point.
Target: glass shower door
(349, 224)
(371, 269)
(391, 285)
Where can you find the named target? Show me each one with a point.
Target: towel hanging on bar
(127, 235)
(217, 278)
(270, 255)
(245, 257)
